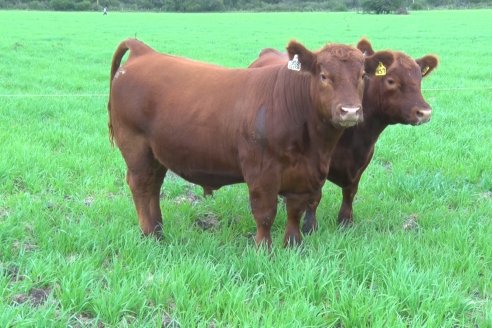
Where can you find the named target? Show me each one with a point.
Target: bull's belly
(206, 169)
(213, 180)
(198, 158)
(205, 173)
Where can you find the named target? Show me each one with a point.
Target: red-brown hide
(272, 127)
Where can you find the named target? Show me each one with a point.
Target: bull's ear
(378, 63)
(365, 47)
(305, 57)
(427, 64)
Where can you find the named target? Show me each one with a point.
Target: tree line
(372, 6)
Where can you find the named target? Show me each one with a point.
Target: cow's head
(393, 85)
(336, 81)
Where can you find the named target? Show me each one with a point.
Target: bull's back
(269, 57)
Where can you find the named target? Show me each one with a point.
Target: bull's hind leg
(145, 185)
(145, 176)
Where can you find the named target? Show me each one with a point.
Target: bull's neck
(372, 106)
(296, 96)
(323, 130)
(300, 103)
(371, 128)
(362, 137)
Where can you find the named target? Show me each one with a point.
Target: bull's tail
(137, 48)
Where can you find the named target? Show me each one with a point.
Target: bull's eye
(363, 76)
(323, 77)
(390, 82)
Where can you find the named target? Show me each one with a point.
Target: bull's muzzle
(423, 115)
(350, 115)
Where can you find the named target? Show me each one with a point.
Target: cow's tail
(137, 48)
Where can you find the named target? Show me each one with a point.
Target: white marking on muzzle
(350, 110)
(424, 116)
(426, 112)
(349, 116)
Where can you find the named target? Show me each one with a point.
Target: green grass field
(71, 253)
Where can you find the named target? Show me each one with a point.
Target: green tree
(381, 6)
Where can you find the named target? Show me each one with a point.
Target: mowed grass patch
(71, 253)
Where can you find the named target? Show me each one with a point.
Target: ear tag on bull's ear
(425, 70)
(380, 70)
(294, 64)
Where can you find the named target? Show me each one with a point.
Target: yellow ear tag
(380, 70)
(425, 70)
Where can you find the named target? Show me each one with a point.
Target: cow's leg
(346, 215)
(264, 207)
(296, 205)
(145, 176)
(262, 175)
(310, 223)
(145, 185)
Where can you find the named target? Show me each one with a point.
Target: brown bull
(392, 95)
(274, 128)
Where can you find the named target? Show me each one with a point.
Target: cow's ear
(306, 58)
(378, 63)
(427, 64)
(365, 47)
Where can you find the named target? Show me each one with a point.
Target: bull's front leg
(310, 223)
(346, 215)
(264, 207)
(296, 205)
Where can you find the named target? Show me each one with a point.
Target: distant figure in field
(105, 10)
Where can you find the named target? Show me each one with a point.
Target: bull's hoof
(263, 242)
(345, 222)
(156, 232)
(292, 241)
(308, 228)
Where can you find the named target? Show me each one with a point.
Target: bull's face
(337, 83)
(393, 87)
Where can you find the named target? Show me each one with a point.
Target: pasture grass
(71, 253)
